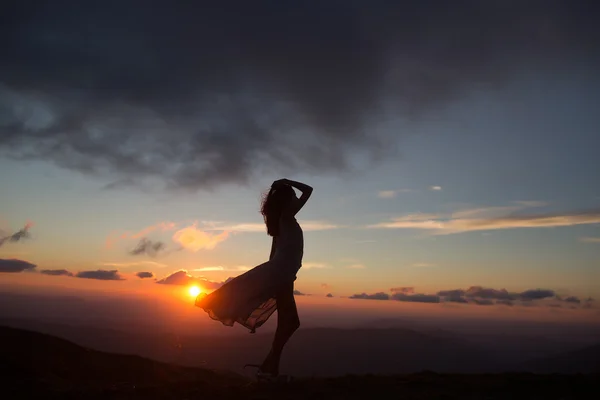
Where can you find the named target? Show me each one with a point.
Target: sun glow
(194, 291)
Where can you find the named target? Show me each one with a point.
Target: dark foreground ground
(38, 366)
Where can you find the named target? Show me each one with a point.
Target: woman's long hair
(272, 205)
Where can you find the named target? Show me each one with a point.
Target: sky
(452, 148)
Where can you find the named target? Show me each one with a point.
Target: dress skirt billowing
(248, 299)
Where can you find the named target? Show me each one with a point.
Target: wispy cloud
(142, 233)
(388, 194)
(489, 218)
(21, 234)
(435, 188)
(56, 272)
(148, 247)
(590, 239)
(200, 235)
(422, 264)
(133, 264)
(531, 203)
(221, 268)
(308, 225)
(356, 266)
(315, 265)
(202, 269)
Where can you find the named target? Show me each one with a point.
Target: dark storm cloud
(452, 296)
(416, 298)
(195, 95)
(15, 265)
(489, 293)
(183, 278)
(145, 274)
(375, 296)
(56, 272)
(100, 274)
(536, 294)
(17, 236)
(147, 246)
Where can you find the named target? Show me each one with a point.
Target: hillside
(35, 365)
(585, 360)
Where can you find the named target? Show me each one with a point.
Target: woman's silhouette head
(278, 197)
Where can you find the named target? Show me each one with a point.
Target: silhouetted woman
(252, 297)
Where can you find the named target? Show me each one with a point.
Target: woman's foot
(270, 365)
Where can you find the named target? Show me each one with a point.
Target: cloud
(329, 295)
(314, 265)
(531, 203)
(325, 286)
(307, 226)
(483, 302)
(387, 194)
(572, 299)
(220, 268)
(100, 274)
(488, 293)
(416, 298)
(536, 294)
(182, 278)
(194, 239)
(485, 219)
(356, 266)
(403, 289)
(133, 264)
(145, 274)
(453, 296)
(15, 265)
(221, 98)
(215, 268)
(422, 265)
(149, 247)
(56, 272)
(435, 188)
(160, 227)
(375, 296)
(298, 293)
(476, 295)
(590, 239)
(19, 235)
(509, 303)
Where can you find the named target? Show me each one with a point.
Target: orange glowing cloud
(194, 239)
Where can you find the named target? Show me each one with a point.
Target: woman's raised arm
(304, 188)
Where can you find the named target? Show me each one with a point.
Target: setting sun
(194, 291)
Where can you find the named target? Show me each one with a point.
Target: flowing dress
(249, 299)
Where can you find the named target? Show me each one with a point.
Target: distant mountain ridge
(39, 366)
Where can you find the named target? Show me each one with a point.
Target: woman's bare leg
(287, 323)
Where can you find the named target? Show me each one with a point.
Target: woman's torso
(290, 243)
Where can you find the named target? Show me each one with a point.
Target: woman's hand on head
(280, 182)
